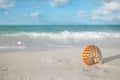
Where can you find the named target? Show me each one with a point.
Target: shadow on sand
(108, 59)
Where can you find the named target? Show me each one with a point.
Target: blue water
(59, 28)
(39, 36)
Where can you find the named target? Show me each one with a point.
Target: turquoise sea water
(39, 36)
(59, 28)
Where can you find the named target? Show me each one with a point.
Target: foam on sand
(60, 64)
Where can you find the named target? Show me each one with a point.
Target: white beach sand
(58, 64)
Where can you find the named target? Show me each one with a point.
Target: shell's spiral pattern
(91, 55)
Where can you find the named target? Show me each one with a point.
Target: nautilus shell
(92, 55)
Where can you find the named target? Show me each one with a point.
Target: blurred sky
(63, 12)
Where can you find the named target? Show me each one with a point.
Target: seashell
(92, 55)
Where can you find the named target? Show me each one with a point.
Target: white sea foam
(13, 47)
(53, 45)
(66, 35)
(58, 39)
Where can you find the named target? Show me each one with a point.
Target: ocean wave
(64, 35)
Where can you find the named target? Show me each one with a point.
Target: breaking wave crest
(64, 35)
(24, 40)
